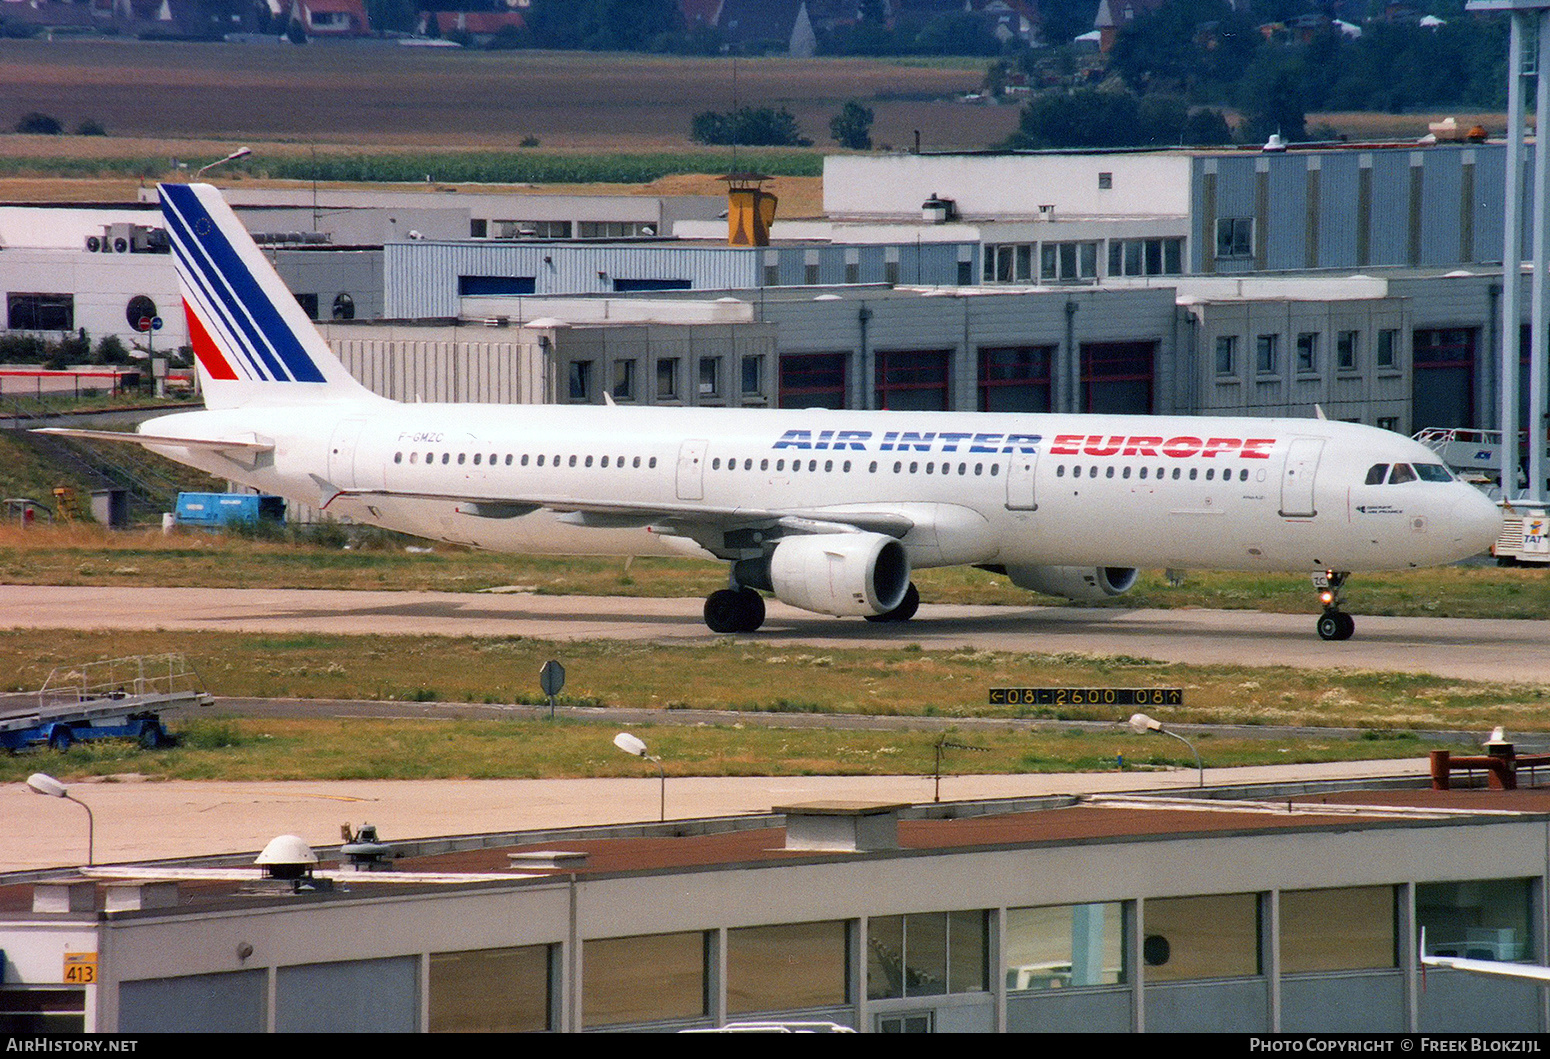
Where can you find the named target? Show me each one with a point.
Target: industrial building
(1294, 908)
(1363, 282)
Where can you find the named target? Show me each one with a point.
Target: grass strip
(237, 749)
(750, 677)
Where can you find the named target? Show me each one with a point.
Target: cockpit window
(1433, 472)
(1376, 473)
(1402, 473)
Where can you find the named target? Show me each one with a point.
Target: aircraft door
(1019, 481)
(1302, 461)
(341, 453)
(691, 469)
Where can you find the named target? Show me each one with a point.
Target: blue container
(213, 510)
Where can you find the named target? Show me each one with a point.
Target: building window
(1388, 346)
(581, 380)
(1146, 257)
(624, 380)
(1308, 352)
(926, 954)
(772, 268)
(710, 376)
(753, 375)
(478, 228)
(1015, 378)
(913, 380)
(1117, 377)
(469, 285)
(344, 307)
(813, 380)
(1201, 937)
(1065, 945)
(1068, 262)
(891, 271)
(530, 229)
(787, 967)
(1346, 345)
(1482, 920)
(1008, 263)
(309, 305)
(1235, 237)
(1105, 181)
(667, 379)
(1337, 930)
(614, 230)
(140, 308)
(1265, 360)
(643, 979)
(491, 990)
(1227, 354)
(1388, 423)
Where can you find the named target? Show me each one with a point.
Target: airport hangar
(1363, 280)
(1294, 908)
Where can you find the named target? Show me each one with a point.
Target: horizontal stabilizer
(251, 443)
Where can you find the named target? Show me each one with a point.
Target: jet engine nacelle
(1074, 582)
(840, 573)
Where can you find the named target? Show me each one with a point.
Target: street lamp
(631, 745)
(241, 152)
(1140, 724)
(39, 783)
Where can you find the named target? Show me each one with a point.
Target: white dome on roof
(287, 849)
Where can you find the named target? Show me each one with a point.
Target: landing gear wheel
(904, 611)
(151, 735)
(734, 610)
(722, 610)
(61, 739)
(1334, 623)
(752, 605)
(1329, 626)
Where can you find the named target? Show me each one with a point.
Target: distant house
(772, 25)
(482, 26)
(331, 18)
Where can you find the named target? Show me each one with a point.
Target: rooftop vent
(289, 860)
(364, 850)
(547, 859)
(938, 210)
(842, 827)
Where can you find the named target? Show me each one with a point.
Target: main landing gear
(734, 610)
(1334, 623)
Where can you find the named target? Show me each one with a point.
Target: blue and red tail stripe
(227, 305)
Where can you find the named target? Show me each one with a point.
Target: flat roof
(734, 843)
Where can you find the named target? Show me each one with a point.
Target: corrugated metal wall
(1431, 206)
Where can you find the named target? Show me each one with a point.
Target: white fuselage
(982, 488)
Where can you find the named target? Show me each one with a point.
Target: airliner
(827, 510)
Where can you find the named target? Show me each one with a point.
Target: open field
(371, 95)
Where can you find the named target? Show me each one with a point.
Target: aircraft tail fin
(253, 343)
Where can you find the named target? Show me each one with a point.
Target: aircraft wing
(249, 443)
(687, 516)
(1527, 972)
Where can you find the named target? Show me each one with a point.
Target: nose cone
(1475, 521)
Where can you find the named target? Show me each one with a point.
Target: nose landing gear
(1334, 623)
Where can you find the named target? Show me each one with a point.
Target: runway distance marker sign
(1086, 696)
